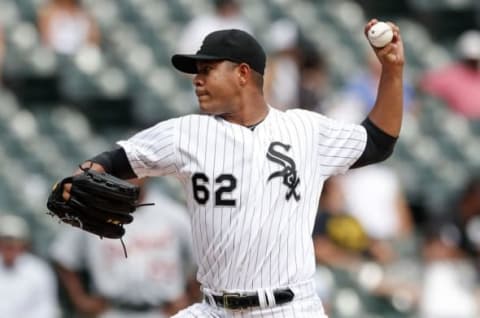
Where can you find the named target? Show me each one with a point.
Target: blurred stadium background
(56, 110)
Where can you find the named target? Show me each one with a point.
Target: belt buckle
(229, 302)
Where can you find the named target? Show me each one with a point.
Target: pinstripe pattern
(265, 239)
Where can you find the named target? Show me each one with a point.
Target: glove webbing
(74, 219)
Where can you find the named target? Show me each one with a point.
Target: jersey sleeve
(338, 144)
(152, 152)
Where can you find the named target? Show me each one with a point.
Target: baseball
(380, 34)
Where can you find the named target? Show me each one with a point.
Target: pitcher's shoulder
(196, 117)
(191, 120)
(303, 114)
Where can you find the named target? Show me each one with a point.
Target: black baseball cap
(232, 45)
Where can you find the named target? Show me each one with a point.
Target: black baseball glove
(99, 203)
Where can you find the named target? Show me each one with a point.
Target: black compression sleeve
(115, 162)
(379, 145)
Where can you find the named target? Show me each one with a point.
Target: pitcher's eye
(204, 69)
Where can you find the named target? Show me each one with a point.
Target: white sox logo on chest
(289, 171)
(227, 183)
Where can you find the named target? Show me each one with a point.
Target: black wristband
(379, 146)
(115, 162)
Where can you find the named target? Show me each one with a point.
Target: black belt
(236, 301)
(135, 307)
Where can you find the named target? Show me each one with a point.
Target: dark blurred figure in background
(2, 52)
(27, 284)
(151, 283)
(66, 27)
(468, 214)
(458, 84)
(314, 77)
(226, 15)
(339, 239)
(339, 242)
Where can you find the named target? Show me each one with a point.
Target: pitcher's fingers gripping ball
(99, 203)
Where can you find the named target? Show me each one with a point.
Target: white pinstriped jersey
(252, 194)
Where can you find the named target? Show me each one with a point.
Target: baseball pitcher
(253, 174)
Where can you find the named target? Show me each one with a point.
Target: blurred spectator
(339, 239)
(227, 15)
(358, 96)
(314, 81)
(66, 26)
(151, 282)
(282, 73)
(449, 282)
(376, 198)
(458, 84)
(343, 245)
(27, 284)
(339, 242)
(370, 218)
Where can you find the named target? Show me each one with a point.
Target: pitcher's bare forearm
(388, 110)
